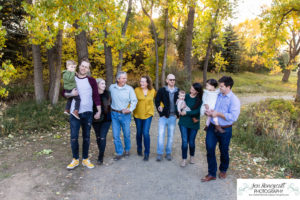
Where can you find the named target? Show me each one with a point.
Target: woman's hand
(97, 115)
(183, 113)
(160, 109)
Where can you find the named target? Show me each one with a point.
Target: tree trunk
(208, 49)
(286, 75)
(81, 45)
(163, 70)
(156, 46)
(189, 43)
(156, 55)
(298, 85)
(124, 28)
(38, 74)
(54, 61)
(108, 62)
(209, 45)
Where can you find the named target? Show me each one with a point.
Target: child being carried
(69, 85)
(209, 99)
(181, 105)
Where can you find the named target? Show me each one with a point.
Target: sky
(249, 9)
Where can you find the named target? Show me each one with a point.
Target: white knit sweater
(209, 98)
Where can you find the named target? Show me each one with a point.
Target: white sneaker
(183, 163)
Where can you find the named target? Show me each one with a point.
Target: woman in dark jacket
(102, 125)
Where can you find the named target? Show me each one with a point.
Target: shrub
(272, 128)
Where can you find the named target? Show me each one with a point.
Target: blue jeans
(212, 138)
(101, 129)
(162, 123)
(188, 137)
(121, 120)
(142, 130)
(85, 122)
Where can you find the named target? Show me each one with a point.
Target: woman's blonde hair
(98, 80)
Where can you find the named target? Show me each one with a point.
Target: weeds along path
(28, 172)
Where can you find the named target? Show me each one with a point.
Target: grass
(29, 117)
(248, 82)
(271, 129)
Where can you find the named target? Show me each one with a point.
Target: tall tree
(293, 51)
(231, 50)
(38, 74)
(188, 43)
(155, 41)
(81, 44)
(278, 25)
(108, 61)
(124, 28)
(212, 17)
(163, 70)
(54, 62)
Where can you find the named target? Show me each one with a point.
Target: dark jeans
(188, 137)
(85, 122)
(142, 130)
(101, 130)
(69, 101)
(212, 138)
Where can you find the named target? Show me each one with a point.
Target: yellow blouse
(145, 106)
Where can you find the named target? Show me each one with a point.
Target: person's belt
(227, 126)
(118, 111)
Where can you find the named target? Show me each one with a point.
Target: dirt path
(27, 174)
(132, 178)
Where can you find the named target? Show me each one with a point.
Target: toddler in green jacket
(69, 85)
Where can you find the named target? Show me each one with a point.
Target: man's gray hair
(119, 74)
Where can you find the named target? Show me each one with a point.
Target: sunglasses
(171, 79)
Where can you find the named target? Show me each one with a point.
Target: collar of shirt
(120, 88)
(226, 95)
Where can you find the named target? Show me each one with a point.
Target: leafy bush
(29, 117)
(272, 128)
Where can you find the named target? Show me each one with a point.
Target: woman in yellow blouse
(143, 114)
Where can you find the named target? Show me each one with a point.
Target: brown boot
(219, 129)
(75, 114)
(195, 120)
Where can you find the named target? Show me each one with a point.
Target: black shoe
(118, 157)
(146, 157)
(99, 162)
(126, 154)
(169, 157)
(159, 157)
(139, 153)
(100, 158)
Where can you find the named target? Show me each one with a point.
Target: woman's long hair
(149, 82)
(199, 89)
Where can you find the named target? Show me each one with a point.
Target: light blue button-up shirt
(122, 97)
(230, 106)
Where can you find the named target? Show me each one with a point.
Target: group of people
(90, 104)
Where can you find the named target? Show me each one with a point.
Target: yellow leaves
(7, 73)
(220, 62)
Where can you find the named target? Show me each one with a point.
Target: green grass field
(249, 82)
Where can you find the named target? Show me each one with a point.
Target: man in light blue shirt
(123, 103)
(227, 109)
